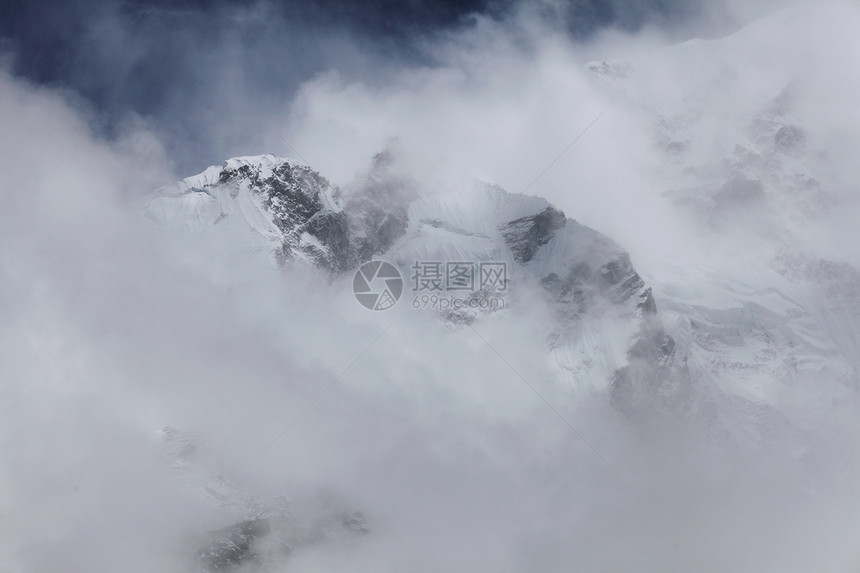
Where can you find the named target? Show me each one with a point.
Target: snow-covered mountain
(770, 313)
(747, 338)
(729, 354)
(752, 352)
(604, 334)
(601, 305)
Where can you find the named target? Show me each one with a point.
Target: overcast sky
(216, 69)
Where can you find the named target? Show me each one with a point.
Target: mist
(113, 328)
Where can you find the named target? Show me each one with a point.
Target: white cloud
(110, 330)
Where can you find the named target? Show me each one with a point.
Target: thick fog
(112, 328)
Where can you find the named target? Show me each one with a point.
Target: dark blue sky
(184, 65)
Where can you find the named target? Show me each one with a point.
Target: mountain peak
(291, 211)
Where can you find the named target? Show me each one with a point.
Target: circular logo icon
(377, 285)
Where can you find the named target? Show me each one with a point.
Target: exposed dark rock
(616, 281)
(233, 547)
(648, 380)
(377, 211)
(570, 289)
(365, 224)
(646, 302)
(620, 279)
(654, 346)
(526, 235)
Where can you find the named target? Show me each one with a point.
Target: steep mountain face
(604, 333)
(287, 209)
(717, 341)
(765, 320)
(601, 305)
